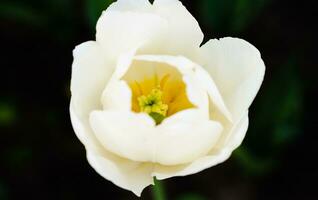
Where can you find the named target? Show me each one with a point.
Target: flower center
(159, 96)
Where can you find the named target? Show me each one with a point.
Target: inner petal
(157, 89)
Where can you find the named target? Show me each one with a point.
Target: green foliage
(56, 17)
(20, 12)
(277, 121)
(7, 114)
(191, 196)
(3, 191)
(281, 105)
(253, 164)
(231, 15)
(245, 12)
(17, 157)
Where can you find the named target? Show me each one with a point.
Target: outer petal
(127, 174)
(83, 131)
(214, 157)
(90, 72)
(237, 69)
(184, 34)
(164, 27)
(119, 32)
(237, 133)
(135, 136)
(184, 27)
(181, 130)
(124, 173)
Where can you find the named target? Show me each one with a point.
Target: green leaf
(231, 15)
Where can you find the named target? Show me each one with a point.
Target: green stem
(158, 190)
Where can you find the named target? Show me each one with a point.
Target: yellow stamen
(152, 103)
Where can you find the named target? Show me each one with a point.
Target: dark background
(41, 158)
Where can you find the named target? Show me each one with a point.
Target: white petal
(237, 133)
(126, 134)
(163, 172)
(233, 134)
(133, 176)
(124, 173)
(184, 34)
(183, 139)
(184, 27)
(119, 32)
(83, 131)
(135, 136)
(117, 94)
(214, 157)
(164, 27)
(89, 76)
(237, 69)
(216, 99)
(90, 73)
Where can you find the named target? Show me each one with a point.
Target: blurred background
(41, 158)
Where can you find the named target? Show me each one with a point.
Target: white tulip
(148, 101)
